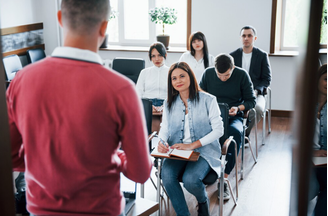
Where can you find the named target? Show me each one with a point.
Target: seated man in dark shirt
(231, 85)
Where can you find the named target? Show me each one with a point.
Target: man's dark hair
(159, 47)
(223, 62)
(248, 27)
(83, 15)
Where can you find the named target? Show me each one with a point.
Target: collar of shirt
(78, 54)
(158, 68)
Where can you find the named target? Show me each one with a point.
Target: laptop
(129, 190)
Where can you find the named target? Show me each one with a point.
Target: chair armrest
(246, 113)
(151, 136)
(226, 145)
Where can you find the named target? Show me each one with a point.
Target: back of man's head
(248, 27)
(84, 15)
(224, 62)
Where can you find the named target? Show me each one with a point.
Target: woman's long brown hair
(193, 87)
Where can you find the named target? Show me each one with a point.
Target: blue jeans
(192, 175)
(157, 102)
(235, 130)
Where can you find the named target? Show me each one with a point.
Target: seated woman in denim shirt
(191, 121)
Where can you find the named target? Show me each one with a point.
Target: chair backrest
(12, 64)
(130, 67)
(34, 55)
(224, 108)
(148, 108)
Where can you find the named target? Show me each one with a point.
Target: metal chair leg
(264, 126)
(269, 110)
(242, 154)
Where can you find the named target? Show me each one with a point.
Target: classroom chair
(267, 95)
(12, 65)
(245, 138)
(130, 67)
(34, 55)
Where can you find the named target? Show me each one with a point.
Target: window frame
(152, 29)
(277, 24)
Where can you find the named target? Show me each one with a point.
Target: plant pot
(165, 39)
(105, 42)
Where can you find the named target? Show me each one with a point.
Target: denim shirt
(199, 126)
(323, 128)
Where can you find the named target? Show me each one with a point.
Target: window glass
(136, 19)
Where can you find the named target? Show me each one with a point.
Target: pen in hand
(165, 144)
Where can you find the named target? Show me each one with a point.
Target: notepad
(319, 161)
(186, 154)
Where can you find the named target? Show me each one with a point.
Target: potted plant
(113, 15)
(163, 15)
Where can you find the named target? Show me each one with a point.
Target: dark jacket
(259, 70)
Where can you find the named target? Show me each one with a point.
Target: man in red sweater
(69, 116)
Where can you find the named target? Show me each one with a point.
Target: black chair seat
(209, 179)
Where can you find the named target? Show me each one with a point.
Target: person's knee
(192, 183)
(168, 177)
(236, 133)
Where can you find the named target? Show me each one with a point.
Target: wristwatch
(238, 109)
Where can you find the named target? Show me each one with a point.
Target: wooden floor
(266, 185)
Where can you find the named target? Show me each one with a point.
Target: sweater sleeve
(247, 92)
(133, 132)
(216, 123)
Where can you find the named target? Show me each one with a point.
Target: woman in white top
(198, 57)
(152, 81)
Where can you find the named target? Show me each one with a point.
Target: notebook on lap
(129, 190)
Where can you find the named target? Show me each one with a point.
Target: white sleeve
(216, 123)
(140, 86)
(163, 132)
(210, 60)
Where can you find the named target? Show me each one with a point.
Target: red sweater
(67, 120)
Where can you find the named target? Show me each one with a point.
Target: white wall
(23, 12)
(219, 20)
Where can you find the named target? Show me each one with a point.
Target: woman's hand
(320, 153)
(182, 146)
(163, 148)
(191, 146)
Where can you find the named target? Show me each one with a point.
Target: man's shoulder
(237, 52)
(260, 51)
